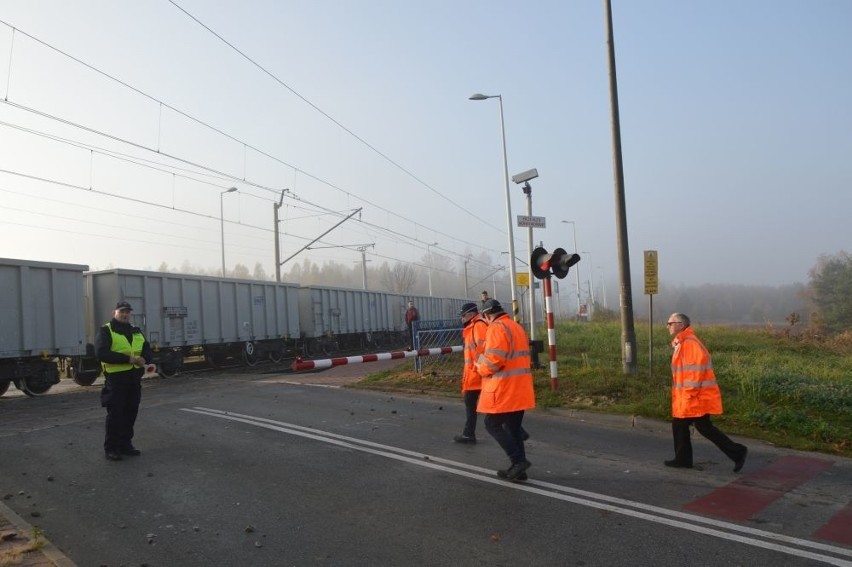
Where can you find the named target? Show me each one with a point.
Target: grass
(17, 554)
(792, 391)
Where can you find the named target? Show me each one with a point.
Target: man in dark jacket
(411, 315)
(123, 352)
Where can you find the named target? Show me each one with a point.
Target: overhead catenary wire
(222, 132)
(328, 116)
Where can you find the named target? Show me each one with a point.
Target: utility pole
(363, 250)
(275, 207)
(628, 333)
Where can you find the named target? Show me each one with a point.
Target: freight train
(49, 314)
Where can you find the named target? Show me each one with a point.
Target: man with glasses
(123, 352)
(695, 396)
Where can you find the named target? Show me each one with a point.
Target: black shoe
(113, 456)
(525, 435)
(505, 474)
(676, 465)
(467, 439)
(132, 452)
(516, 470)
(738, 464)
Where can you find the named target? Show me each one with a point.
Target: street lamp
(512, 283)
(577, 272)
(591, 284)
(429, 257)
(222, 224)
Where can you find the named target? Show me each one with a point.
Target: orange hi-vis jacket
(694, 389)
(474, 344)
(507, 382)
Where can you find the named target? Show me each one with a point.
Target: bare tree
(399, 279)
(241, 272)
(259, 272)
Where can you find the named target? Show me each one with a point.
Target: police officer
(123, 352)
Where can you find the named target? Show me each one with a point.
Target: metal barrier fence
(435, 334)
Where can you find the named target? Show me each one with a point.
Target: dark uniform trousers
(121, 395)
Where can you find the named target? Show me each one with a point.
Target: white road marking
(622, 506)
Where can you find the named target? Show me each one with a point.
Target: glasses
(674, 323)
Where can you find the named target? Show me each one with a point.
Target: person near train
(123, 353)
(411, 315)
(507, 387)
(695, 396)
(473, 337)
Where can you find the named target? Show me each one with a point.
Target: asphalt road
(256, 469)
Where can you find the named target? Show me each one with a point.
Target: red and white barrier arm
(300, 364)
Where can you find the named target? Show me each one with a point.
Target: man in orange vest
(507, 386)
(695, 396)
(473, 334)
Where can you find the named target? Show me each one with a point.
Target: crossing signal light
(558, 263)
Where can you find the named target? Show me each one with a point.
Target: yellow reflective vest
(507, 381)
(694, 389)
(120, 345)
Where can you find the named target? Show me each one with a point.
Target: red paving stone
(745, 497)
(839, 527)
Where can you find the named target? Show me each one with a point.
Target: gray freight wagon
(41, 323)
(186, 316)
(337, 319)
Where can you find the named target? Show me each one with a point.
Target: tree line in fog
(825, 302)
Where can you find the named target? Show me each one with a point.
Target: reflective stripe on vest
(121, 346)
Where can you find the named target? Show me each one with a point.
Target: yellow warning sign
(651, 277)
(522, 279)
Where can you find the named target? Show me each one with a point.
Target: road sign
(535, 222)
(522, 279)
(651, 279)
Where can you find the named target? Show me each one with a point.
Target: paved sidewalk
(21, 546)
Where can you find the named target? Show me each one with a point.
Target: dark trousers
(471, 399)
(683, 443)
(506, 429)
(120, 396)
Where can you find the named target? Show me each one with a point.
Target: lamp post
(576, 251)
(429, 257)
(512, 282)
(222, 224)
(591, 285)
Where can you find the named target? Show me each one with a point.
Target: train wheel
(85, 378)
(249, 354)
(276, 355)
(35, 385)
(4, 385)
(167, 370)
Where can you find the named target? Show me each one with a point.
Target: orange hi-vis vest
(694, 389)
(507, 382)
(474, 344)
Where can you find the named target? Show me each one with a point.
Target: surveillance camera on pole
(558, 264)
